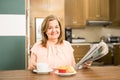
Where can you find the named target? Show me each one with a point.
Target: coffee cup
(43, 67)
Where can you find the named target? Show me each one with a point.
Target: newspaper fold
(96, 52)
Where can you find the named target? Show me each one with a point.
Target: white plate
(42, 72)
(65, 74)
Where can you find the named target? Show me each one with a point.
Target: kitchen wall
(93, 34)
(12, 34)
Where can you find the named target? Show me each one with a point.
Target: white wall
(12, 25)
(93, 34)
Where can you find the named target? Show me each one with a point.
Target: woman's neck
(52, 42)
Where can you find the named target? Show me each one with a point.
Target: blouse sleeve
(69, 46)
(33, 57)
(71, 50)
(35, 47)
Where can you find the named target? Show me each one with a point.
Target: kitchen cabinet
(56, 7)
(116, 55)
(113, 57)
(115, 12)
(97, 9)
(107, 59)
(42, 8)
(75, 13)
(80, 51)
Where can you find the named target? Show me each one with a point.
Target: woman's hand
(32, 64)
(31, 67)
(87, 64)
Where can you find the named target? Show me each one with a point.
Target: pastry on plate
(66, 69)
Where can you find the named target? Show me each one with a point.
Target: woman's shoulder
(37, 48)
(66, 42)
(37, 45)
(67, 45)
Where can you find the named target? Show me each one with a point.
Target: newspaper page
(96, 52)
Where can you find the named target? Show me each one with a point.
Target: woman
(52, 49)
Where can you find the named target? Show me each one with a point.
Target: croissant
(66, 69)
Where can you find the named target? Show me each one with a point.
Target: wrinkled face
(53, 30)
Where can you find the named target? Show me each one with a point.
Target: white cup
(43, 67)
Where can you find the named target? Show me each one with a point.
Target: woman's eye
(56, 26)
(49, 27)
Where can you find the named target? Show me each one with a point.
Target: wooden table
(93, 73)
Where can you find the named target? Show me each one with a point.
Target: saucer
(42, 72)
(65, 74)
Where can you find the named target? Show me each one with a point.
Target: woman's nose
(53, 29)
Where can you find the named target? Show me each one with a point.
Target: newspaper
(96, 52)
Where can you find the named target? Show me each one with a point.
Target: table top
(93, 73)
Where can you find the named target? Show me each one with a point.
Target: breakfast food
(66, 69)
(70, 69)
(62, 69)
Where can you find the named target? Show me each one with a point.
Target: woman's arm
(87, 64)
(32, 64)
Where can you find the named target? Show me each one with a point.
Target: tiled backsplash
(93, 34)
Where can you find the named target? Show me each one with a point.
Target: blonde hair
(44, 27)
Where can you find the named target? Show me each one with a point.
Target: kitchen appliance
(98, 23)
(78, 40)
(68, 34)
(113, 39)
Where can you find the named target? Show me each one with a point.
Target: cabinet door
(56, 7)
(80, 51)
(115, 12)
(42, 8)
(116, 54)
(75, 13)
(107, 59)
(39, 8)
(97, 9)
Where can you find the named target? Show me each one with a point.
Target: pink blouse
(54, 55)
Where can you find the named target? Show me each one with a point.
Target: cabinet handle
(74, 22)
(98, 9)
(97, 16)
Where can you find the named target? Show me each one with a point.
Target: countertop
(90, 43)
(93, 73)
